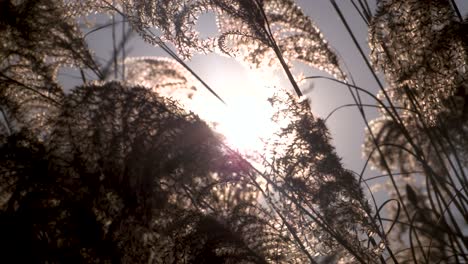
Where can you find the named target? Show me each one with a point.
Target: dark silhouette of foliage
(126, 176)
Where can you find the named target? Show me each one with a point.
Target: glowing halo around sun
(246, 124)
(244, 121)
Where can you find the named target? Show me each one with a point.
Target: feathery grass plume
(398, 150)
(165, 76)
(322, 201)
(82, 8)
(244, 31)
(294, 32)
(421, 48)
(37, 39)
(176, 21)
(113, 126)
(421, 45)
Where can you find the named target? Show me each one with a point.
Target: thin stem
(115, 54)
(124, 53)
(457, 11)
(55, 102)
(278, 52)
(361, 14)
(116, 51)
(357, 105)
(7, 121)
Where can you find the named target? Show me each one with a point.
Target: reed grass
(310, 203)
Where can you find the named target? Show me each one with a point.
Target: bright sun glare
(245, 121)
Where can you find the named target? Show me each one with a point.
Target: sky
(231, 80)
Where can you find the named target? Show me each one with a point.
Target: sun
(245, 120)
(246, 123)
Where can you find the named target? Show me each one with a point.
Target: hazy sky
(225, 75)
